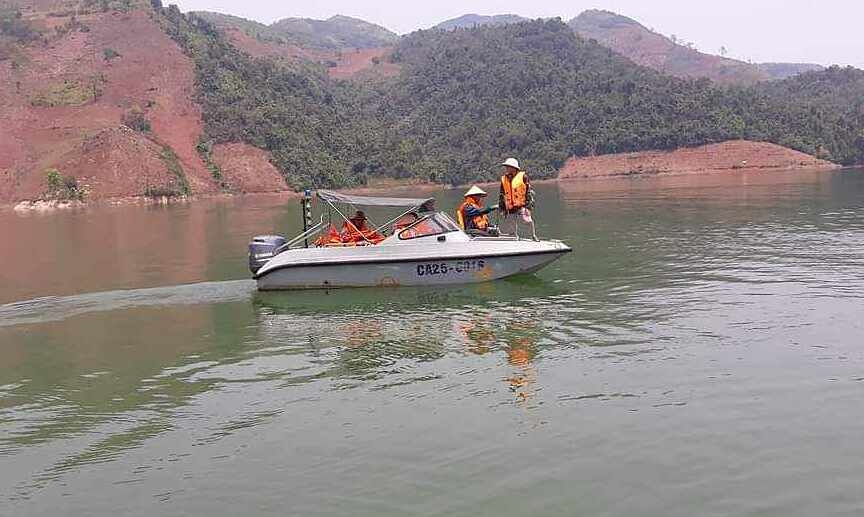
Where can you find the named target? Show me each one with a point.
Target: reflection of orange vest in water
(479, 222)
(515, 191)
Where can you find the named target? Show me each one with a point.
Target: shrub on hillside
(63, 188)
(169, 191)
(109, 53)
(136, 120)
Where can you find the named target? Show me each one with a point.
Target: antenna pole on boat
(306, 209)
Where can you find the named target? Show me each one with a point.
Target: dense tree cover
(255, 29)
(467, 21)
(820, 113)
(337, 32)
(468, 98)
(786, 70)
(308, 123)
(536, 91)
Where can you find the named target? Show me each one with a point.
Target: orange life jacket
(420, 229)
(351, 234)
(515, 191)
(480, 222)
(331, 237)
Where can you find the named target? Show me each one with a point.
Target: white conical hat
(512, 162)
(475, 191)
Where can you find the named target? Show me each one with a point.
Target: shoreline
(250, 173)
(43, 205)
(723, 157)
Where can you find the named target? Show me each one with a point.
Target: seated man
(355, 230)
(471, 214)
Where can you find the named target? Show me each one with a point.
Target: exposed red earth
(366, 63)
(726, 156)
(66, 102)
(247, 169)
(59, 99)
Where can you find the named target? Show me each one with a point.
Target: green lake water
(701, 352)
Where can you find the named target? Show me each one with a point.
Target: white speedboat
(419, 247)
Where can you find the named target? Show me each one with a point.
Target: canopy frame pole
(354, 207)
(305, 235)
(349, 222)
(391, 221)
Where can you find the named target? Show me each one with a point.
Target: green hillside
(307, 122)
(337, 32)
(255, 29)
(537, 91)
(820, 113)
(786, 70)
(465, 99)
(468, 21)
(334, 32)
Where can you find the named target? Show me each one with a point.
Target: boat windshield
(434, 224)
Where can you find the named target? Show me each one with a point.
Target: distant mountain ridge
(786, 70)
(624, 35)
(466, 21)
(647, 48)
(336, 32)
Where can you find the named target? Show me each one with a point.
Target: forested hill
(119, 95)
(337, 32)
(477, 20)
(537, 91)
(818, 112)
(465, 99)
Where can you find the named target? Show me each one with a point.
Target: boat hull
(407, 272)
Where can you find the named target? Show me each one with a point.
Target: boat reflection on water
(522, 350)
(517, 340)
(357, 335)
(382, 299)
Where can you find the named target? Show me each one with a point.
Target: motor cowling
(262, 248)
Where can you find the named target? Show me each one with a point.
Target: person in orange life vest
(356, 230)
(471, 214)
(516, 199)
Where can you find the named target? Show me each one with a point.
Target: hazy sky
(826, 31)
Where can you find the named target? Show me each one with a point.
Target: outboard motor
(263, 248)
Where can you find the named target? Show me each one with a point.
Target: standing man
(515, 199)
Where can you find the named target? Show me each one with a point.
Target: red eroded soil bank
(247, 169)
(63, 106)
(726, 156)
